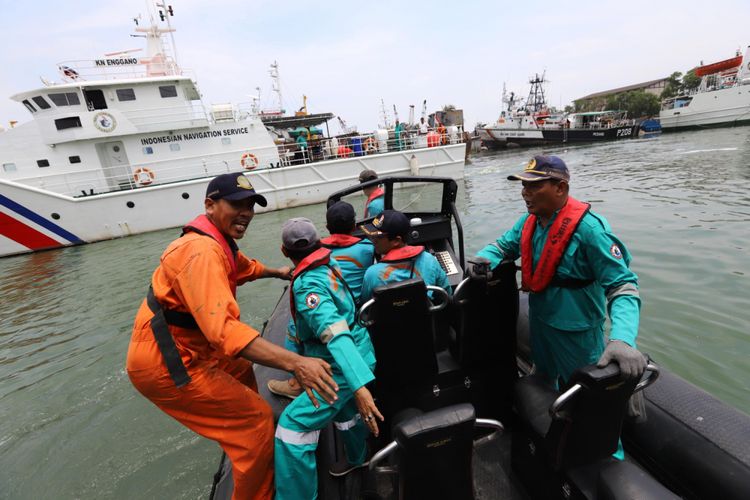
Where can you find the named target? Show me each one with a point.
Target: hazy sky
(346, 56)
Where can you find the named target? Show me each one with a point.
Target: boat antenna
(165, 15)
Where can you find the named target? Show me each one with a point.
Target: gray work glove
(632, 363)
(478, 268)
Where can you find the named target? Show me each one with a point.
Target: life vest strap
(573, 283)
(165, 341)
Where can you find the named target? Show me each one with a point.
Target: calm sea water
(71, 425)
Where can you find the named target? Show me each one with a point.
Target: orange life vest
(565, 224)
(202, 225)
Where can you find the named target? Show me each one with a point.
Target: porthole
(116, 149)
(185, 196)
(130, 204)
(55, 216)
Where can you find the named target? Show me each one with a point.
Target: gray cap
(299, 233)
(367, 175)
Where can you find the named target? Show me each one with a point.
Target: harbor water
(72, 426)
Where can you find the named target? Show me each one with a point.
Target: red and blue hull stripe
(20, 231)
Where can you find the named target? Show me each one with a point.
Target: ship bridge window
(168, 90)
(41, 102)
(94, 99)
(29, 106)
(69, 122)
(65, 99)
(42, 163)
(9, 167)
(125, 94)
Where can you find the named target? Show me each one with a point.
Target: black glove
(632, 363)
(478, 269)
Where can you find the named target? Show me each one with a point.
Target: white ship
(124, 144)
(721, 99)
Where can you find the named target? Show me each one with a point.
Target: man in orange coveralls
(190, 353)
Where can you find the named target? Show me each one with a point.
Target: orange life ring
(249, 161)
(143, 176)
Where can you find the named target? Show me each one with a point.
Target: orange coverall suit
(221, 401)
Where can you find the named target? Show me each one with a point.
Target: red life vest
(202, 225)
(340, 241)
(375, 194)
(565, 224)
(320, 257)
(404, 253)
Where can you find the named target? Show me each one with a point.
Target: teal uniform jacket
(324, 318)
(354, 256)
(396, 266)
(326, 328)
(375, 207)
(594, 253)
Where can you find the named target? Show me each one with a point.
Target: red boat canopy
(709, 69)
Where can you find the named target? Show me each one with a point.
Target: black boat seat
(583, 424)
(434, 458)
(620, 480)
(399, 319)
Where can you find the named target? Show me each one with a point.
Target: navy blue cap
(541, 168)
(233, 187)
(390, 222)
(340, 213)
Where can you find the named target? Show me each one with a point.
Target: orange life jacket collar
(404, 253)
(558, 239)
(340, 241)
(202, 225)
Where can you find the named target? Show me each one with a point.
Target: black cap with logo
(233, 187)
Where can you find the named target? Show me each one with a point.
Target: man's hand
(367, 409)
(314, 373)
(478, 269)
(283, 272)
(632, 362)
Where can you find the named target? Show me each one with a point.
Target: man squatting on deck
(191, 355)
(573, 267)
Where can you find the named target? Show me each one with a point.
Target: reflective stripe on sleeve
(502, 253)
(332, 330)
(345, 426)
(626, 289)
(298, 438)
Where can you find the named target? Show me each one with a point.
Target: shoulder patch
(615, 251)
(312, 300)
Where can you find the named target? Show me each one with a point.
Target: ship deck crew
(375, 203)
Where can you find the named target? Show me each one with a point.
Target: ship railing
(176, 116)
(167, 170)
(118, 68)
(349, 146)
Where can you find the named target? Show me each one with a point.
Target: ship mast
(536, 101)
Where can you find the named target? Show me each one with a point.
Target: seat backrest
(587, 427)
(435, 453)
(402, 335)
(486, 337)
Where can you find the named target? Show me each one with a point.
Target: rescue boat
(716, 67)
(466, 418)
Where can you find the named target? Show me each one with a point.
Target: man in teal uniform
(375, 203)
(353, 255)
(323, 310)
(398, 261)
(574, 277)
